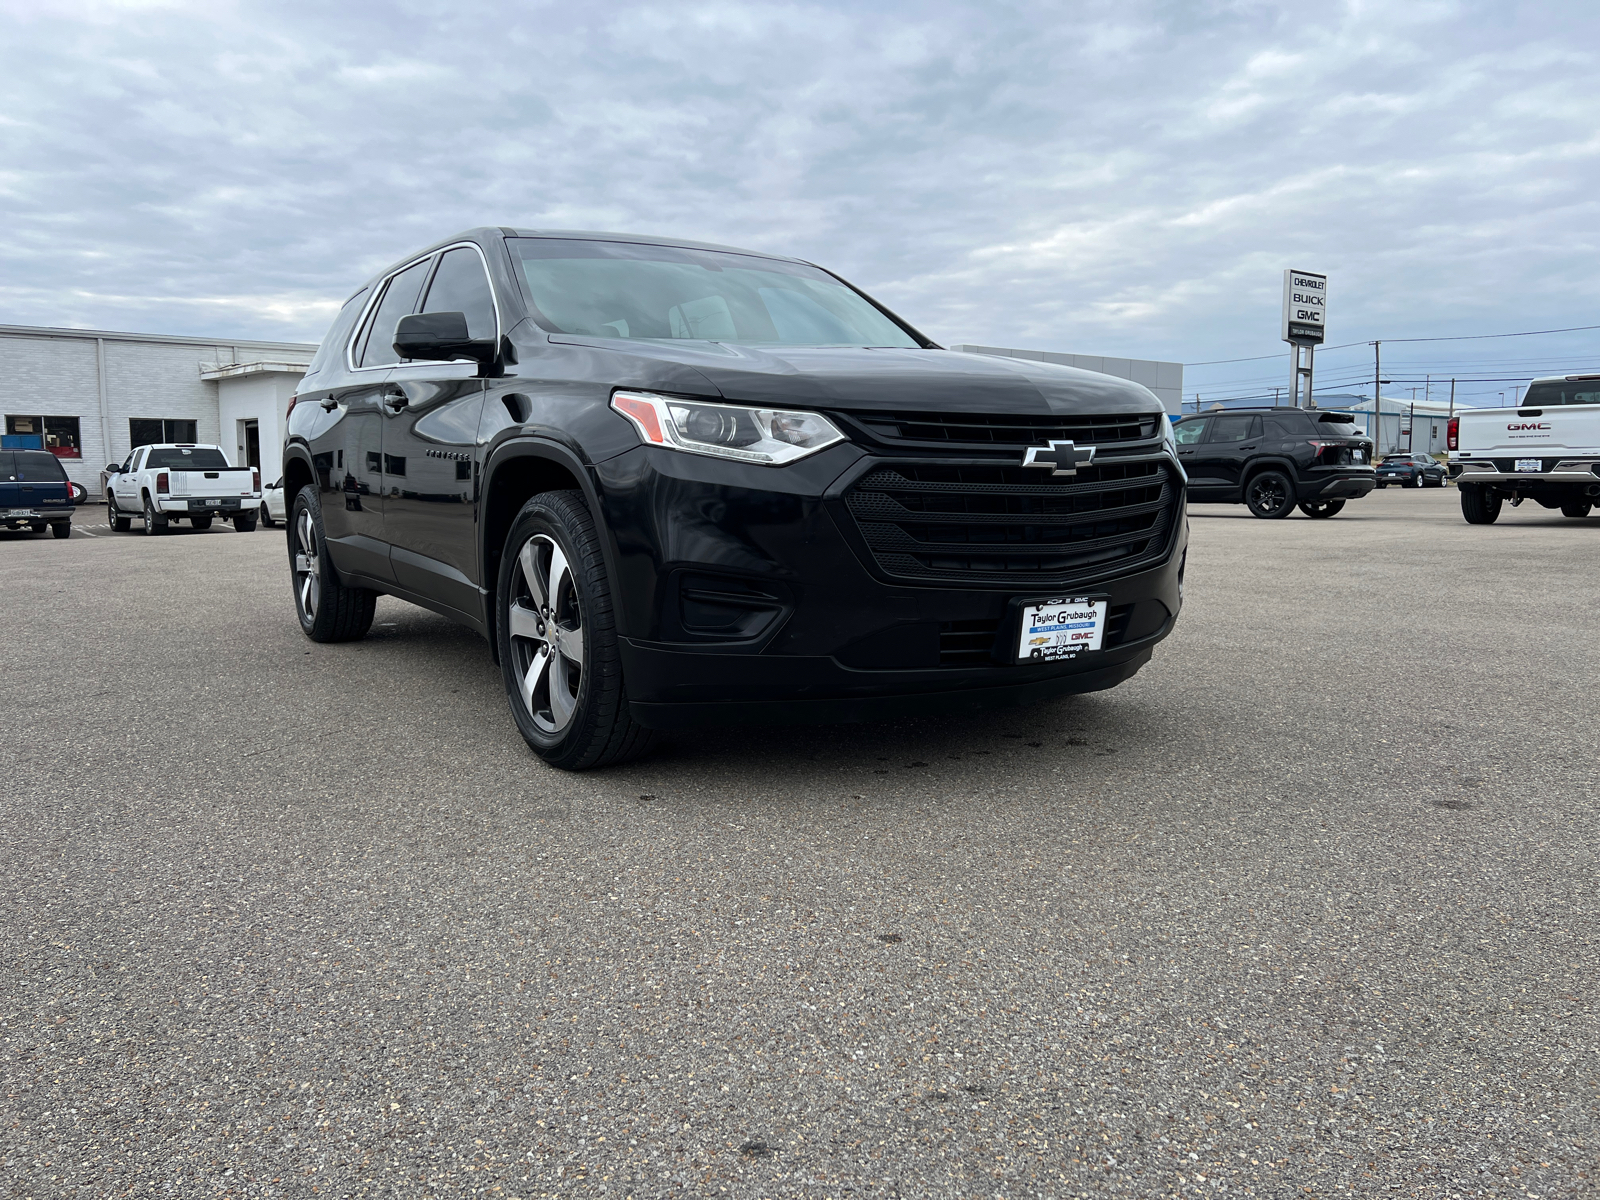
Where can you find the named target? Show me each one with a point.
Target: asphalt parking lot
(1309, 907)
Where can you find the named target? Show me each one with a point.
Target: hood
(857, 379)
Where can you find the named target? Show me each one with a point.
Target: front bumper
(812, 630)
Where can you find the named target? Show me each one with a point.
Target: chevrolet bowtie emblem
(1062, 458)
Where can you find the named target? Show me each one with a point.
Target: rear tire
(1381, 486)
(201, 522)
(1479, 505)
(557, 635)
(1322, 508)
(245, 523)
(61, 529)
(1418, 481)
(1269, 495)
(1575, 508)
(154, 522)
(329, 611)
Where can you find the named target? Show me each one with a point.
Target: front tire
(1577, 509)
(329, 611)
(1322, 508)
(114, 517)
(1479, 505)
(557, 636)
(1269, 495)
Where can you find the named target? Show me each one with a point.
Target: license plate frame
(1060, 628)
(19, 514)
(1528, 466)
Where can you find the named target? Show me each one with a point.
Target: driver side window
(1187, 432)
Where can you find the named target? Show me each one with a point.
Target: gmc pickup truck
(1547, 449)
(175, 482)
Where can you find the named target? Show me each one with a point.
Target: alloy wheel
(307, 565)
(1268, 493)
(545, 621)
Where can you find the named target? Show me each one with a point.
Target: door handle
(330, 404)
(395, 398)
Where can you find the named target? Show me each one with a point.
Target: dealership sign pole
(1305, 320)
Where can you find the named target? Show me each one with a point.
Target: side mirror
(113, 468)
(441, 337)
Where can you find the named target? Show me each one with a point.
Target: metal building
(90, 396)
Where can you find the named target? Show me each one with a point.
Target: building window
(59, 435)
(147, 431)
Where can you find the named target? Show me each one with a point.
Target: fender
(522, 447)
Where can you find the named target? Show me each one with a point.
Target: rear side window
(38, 466)
(399, 299)
(459, 285)
(1239, 428)
(187, 458)
(1571, 391)
(8, 466)
(338, 331)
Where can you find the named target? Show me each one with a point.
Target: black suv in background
(1272, 459)
(676, 484)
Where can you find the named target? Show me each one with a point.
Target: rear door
(430, 428)
(43, 482)
(353, 506)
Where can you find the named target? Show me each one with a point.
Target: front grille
(989, 430)
(983, 525)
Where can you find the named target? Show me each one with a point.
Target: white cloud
(1124, 178)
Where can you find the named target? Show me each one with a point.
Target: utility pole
(1377, 401)
(1275, 393)
(1515, 388)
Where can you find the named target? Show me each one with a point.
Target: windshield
(1571, 391)
(624, 290)
(187, 458)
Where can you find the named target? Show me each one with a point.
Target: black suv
(676, 484)
(1271, 459)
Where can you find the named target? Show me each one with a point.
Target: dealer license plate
(19, 512)
(1061, 628)
(1530, 464)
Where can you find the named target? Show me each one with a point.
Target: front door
(430, 437)
(10, 489)
(125, 484)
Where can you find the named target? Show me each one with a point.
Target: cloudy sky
(1123, 178)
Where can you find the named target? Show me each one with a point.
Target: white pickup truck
(176, 482)
(1547, 449)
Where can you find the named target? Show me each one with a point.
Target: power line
(1467, 337)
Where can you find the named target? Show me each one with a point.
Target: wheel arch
(297, 472)
(1271, 463)
(516, 471)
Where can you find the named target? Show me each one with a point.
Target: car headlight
(768, 436)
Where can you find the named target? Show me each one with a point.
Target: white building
(1405, 424)
(90, 395)
(1165, 379)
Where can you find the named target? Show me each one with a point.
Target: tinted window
(1338, 424)
(8, 466)
(624, 290)
(1285, 425)
(1233, 429)
(459, 285)
(339, 331)
(1574, 391)
(197, 458)
(38, 466)
(1188, 431)
(399, 299)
